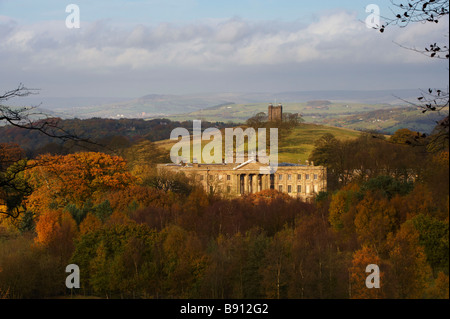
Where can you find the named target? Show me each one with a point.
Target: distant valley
(383, 111)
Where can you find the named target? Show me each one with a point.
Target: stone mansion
(233, 180)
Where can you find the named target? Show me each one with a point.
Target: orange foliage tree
(56, 230)
(361, 259)
(135, 197)
(75, 179)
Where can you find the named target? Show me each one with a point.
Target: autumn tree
(90, 224)
(184, 262)
(433, 236)
(120, 260)
(13, 187)
(57, 230)
(234, 265)
(75, 178)
(410, 271)
(342, 214)
(440, 289)
(374, 220)
(366, 157)
(358, 275)
(135, 197)
(278, 263)
(29, 119)
(168, 181)
(318, 270)
(28, 271)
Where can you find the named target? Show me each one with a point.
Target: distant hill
(318, 103)
(390, 120)
(161, 105)
(315, 114)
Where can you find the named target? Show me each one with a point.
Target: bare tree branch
(26, 118)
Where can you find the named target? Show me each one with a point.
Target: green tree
(433, 236)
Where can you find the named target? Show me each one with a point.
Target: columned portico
(252, 182)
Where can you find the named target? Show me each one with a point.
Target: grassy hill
(297, 145)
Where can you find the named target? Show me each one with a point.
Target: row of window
(299, 177)
(280, 177)
(299, 188)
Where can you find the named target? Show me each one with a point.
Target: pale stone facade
(233, 180)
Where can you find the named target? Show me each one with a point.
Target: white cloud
(101, 48)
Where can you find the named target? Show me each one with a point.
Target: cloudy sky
(130, 48)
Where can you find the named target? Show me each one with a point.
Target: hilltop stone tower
(275, 113)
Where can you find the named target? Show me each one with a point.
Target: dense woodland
(138, 235)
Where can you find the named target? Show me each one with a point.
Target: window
(306, 176)
(211, 177)
(228, 189)
(289, 177)
(280, 188)
(211, 189)
(289, 189)
(299, 188)
(315, 176)
(308, 189)
(228, 177)
(201, 177)
(299, 176)
(316, 189)
(280, 177)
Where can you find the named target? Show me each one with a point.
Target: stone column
(255, 183)
(246, 184)
(264, 181)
